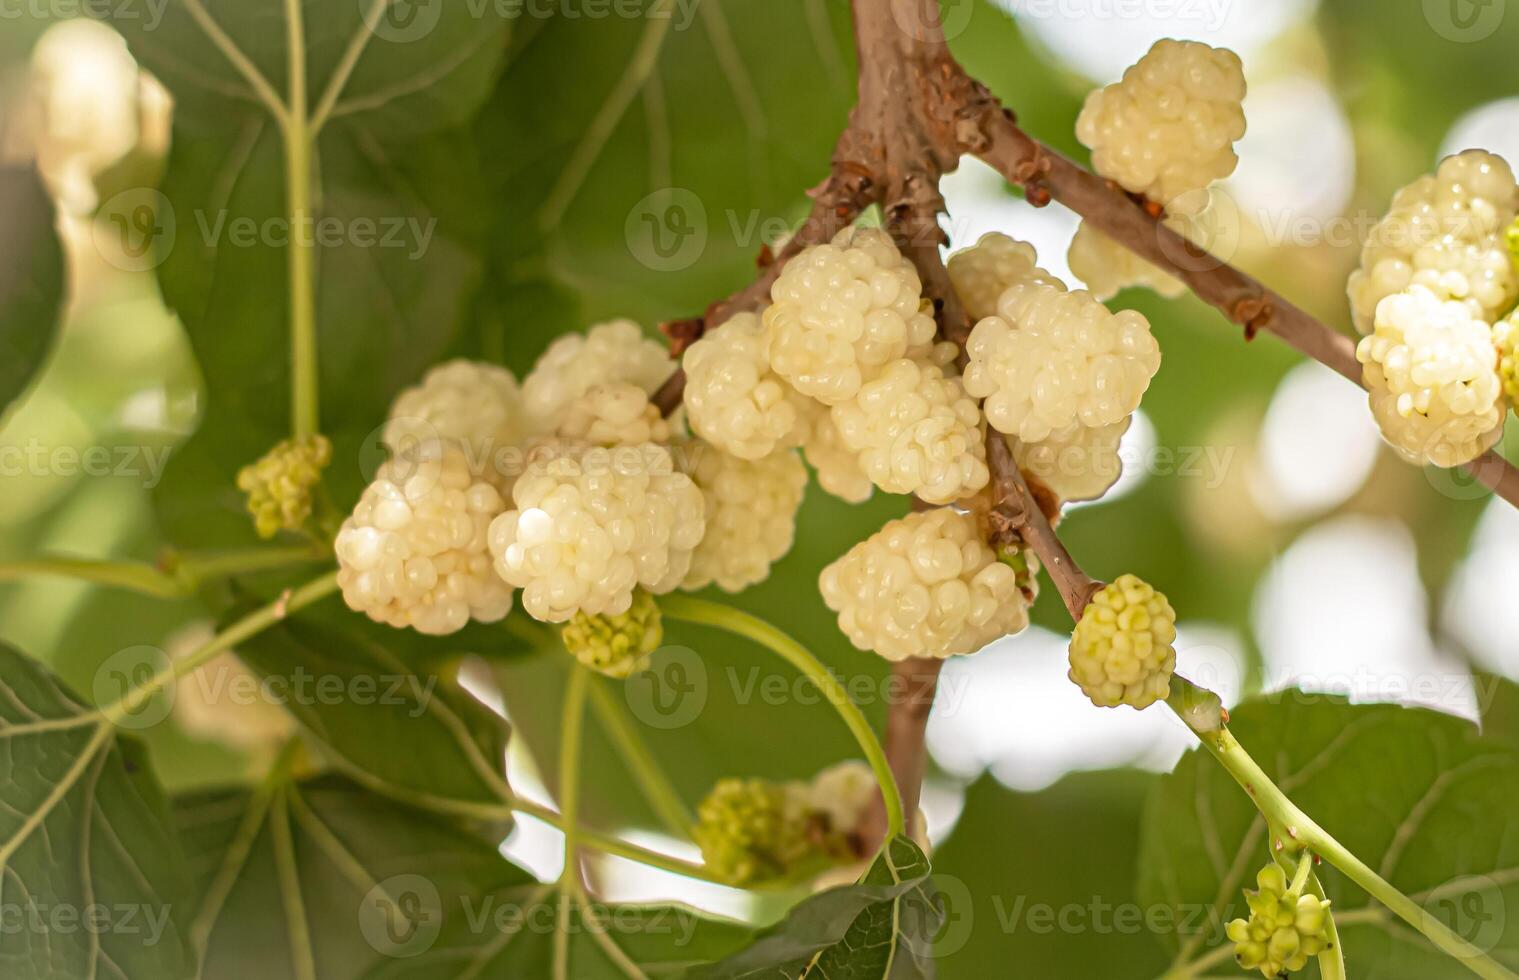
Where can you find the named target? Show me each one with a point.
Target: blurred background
(1257, 494)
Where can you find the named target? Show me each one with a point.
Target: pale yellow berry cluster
(592, 524)
(1108, 268)
(992, 266)
(838, 468)
(927, 585)
(1445, 231)
(575, 363)
(734, 400)
(1077, 463)
(1168, 128)
(281, 484)
(1287, 927)
(1051, 359)
(751, 510)
(616, 413)
(1121, 650)
(1432, 372)
(476, 405)
(413, 553)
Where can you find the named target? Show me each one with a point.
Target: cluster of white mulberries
(992, 266)
(1446, 232)
(1432, 370)
(472, 403)
(613, 414)
(751, 510)
(1168, 128)
(1053, 358)
(576, 363)
(1077, 463)
(413, 553)
(841, 312)
(927, 585)
(916, 432)
(1107, 267)
(733, 399)
(592, 524)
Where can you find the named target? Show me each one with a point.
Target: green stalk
(705, 613)
(1302, 831)
(652, 781)
(304, 408)
(138, 577)
(571, 726)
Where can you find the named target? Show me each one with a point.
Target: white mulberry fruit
(1053, 358)
(1078, 462)
(616, 645)
(992, 266)
(474, 404)
(838, 469)
(926, 585)
(413, 553)
(1121, 650)
(576, 363)
(1108, 268)
(842, 311)
(843, 794)
(1445, 231)
(733, 399)
(916, 432)
(280, 485)
(1432, 372)
(751, 510)
(613, 414)
(1169, 127)
(591, 524)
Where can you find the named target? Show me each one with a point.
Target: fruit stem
(702, 612)
(177, 578)
(651, 779)
(304, 410)
(571, 726)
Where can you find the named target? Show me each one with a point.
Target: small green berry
(1286, 928)
(1121, 649)
(617, 646)
(1506, 339)
(752, 830)
(279, 485)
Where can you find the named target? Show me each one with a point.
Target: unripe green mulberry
(752, 830)
(1506, 337)
(1121, 650)
(619, 645)
(1286, 928)
(279, 484)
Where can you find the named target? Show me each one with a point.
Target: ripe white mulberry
(576, 363)
(1121, 650)
(842, 311)
(1052, 358)
(475, 404)
(1432, 372)
(733, 399)
(927, 585)
(1169, 127)
(1445, 231)
(916, 432)
(591, 524)
(992, 266)
(613, 414)
(413, 553)
(1108, 268)
(751, 510)
(1078, 462)
(838, 469)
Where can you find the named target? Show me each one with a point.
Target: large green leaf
(322, 879)
(603, 942)
(882, 928)
(94, 881)
(31, 279)
(396, 191)
(1046, 880)
(657, 151)
(1420, 797)
(403, 731)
